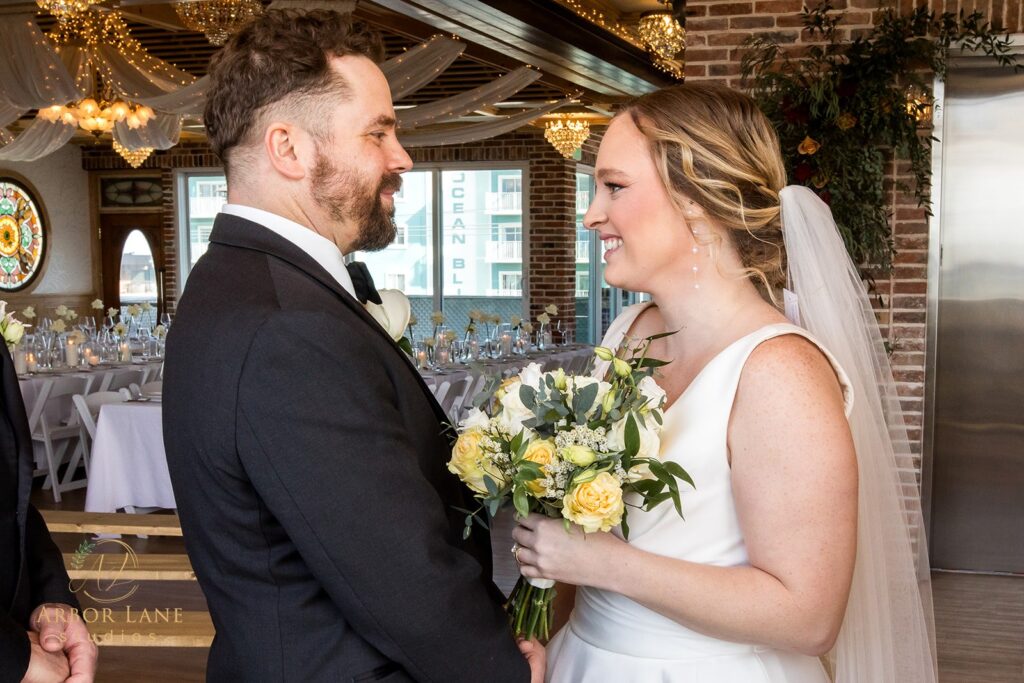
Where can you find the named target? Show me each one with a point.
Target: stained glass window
(21, 235)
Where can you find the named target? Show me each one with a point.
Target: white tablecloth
(128, 464)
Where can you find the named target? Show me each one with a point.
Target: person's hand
(548, 551)
(43, 666)
(62, 630)
(537, 656)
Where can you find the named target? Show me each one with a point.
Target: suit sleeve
(332, 461)
(50, 582)
(14, 650)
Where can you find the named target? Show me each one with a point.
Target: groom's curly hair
(279, 64)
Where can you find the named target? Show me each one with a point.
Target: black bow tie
(362, 282)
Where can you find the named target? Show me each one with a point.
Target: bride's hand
(547, 550)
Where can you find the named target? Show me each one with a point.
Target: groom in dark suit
(307, 455)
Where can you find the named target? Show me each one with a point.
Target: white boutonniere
(393, 314)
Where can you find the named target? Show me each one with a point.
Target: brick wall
(716, 31)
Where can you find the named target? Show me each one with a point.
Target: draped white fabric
(455, 106)
(143, 76)
(36, 141)
(471, 132)
(417, 66)
(160, 133)
(189, 100)
(9, 114)
(888, 633)
(31, 74)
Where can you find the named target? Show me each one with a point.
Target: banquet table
(32, 384)
(128, 465)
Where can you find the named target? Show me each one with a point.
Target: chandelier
(218, 19)
(98, 117)
(134, 157)
(662, 34)
(64, 8)
(567, 134)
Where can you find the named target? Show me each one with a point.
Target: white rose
(650, 390)
(513, 411)
(14, 330)
(650, 443)
(392, 313)
(532, 376)
(580, 382)
(476, 418)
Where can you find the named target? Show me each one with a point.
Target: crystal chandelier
(134, 157)
(567, 134)
(662, 33)
(218, 19)
(63, 8)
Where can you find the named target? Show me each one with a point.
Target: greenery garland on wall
(841, 109)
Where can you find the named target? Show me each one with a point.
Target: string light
(567, 134)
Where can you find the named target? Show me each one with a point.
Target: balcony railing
(510, 250)
(504, 292)
(205, 207)
(503, 202)
(582, 251)
(582, 201)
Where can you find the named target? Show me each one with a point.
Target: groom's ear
(283, 145)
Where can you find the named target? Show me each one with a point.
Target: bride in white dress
(797, 541)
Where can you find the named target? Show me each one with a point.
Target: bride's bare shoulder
(789, 374)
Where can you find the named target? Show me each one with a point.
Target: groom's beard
(348, 196)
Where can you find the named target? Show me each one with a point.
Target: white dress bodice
(612, 638)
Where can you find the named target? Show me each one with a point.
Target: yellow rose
(503, 387)
(596, 505)
(470, 463)
(581, 456)
(542, 452)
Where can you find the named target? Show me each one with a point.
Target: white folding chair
(88, 407)
(55, 423)
(146, 390)
(122, 379)
(454, 398)
(440, 390)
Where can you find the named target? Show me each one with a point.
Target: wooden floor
(979, 621)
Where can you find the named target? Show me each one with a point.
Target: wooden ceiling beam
(579, 54)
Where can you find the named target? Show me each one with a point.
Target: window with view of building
(458, 245)
(203, 195)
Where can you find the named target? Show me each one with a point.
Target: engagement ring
(515, 552)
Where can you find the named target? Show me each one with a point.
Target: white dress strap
(745, 346)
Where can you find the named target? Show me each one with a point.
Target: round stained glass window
(21, 235)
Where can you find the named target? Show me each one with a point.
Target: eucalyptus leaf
(632, 437)
(528, 396)
(521, 501)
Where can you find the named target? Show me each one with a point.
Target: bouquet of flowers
(571, 447)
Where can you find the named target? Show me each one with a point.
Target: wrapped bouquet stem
(572, 447)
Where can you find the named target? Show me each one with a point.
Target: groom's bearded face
(351, 197)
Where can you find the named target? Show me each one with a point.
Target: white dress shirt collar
(319, 248)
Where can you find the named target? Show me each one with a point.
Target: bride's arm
(795, 486)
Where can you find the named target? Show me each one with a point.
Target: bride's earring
(695, 250)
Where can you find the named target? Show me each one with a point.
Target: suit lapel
(244, 234)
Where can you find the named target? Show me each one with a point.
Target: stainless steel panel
(978, 443)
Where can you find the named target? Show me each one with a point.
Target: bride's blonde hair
(713, 146)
